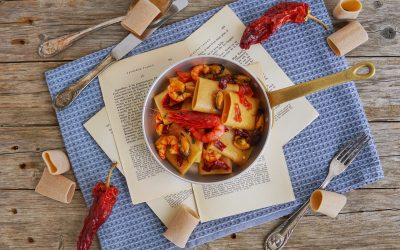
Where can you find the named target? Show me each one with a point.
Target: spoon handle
(56, 45)
(68, 95)
(278, 238)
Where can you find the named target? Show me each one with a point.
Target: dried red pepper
(104, 198)
(287, 12)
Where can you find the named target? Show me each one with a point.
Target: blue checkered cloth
(301, 51)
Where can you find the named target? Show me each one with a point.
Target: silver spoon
(55, 46)
(279, 237)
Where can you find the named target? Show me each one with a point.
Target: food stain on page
(199, 115)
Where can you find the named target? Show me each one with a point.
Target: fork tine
(353, 156)
(348, 147)
(353, 147)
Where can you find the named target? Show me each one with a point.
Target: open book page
(267, 182)
(221, 36)
(124, 86)
(165, 207)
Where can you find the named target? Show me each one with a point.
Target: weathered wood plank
(24, 93)
(27, 109)
(23, 170)
(349, 231)
(25, 214)
(32, 221)
(29, 139)
(380, 95)
(24, 96)
(24, 78)
(25, 23)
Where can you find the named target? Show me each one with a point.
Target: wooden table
(28, 126)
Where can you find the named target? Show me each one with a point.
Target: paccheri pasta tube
(182, 226)
(328, 203)
(205, 93)
(347, 9)
(56, 161)
(238, 156)
(140, 16)
(56, 187)
(158, 99)
(183, 163)
(237, 115)
(347, 38)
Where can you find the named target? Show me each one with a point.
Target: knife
(66, 96)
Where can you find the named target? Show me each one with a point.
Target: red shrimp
(195, 120)
(213, 135)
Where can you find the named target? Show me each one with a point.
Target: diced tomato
(243, 100)
(218, 164)
(238, 115)
(245, 90)
(184, 76)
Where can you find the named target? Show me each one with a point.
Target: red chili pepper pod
(104, 199)
(274, 18)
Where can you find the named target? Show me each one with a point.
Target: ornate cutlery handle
(54, 46)
(279, 237)
(68, 95)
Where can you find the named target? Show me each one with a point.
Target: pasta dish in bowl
(206, 119)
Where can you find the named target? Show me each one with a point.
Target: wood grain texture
(32, 21)
(28, 126)
(25, 209)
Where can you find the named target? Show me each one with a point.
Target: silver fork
(279, 237)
